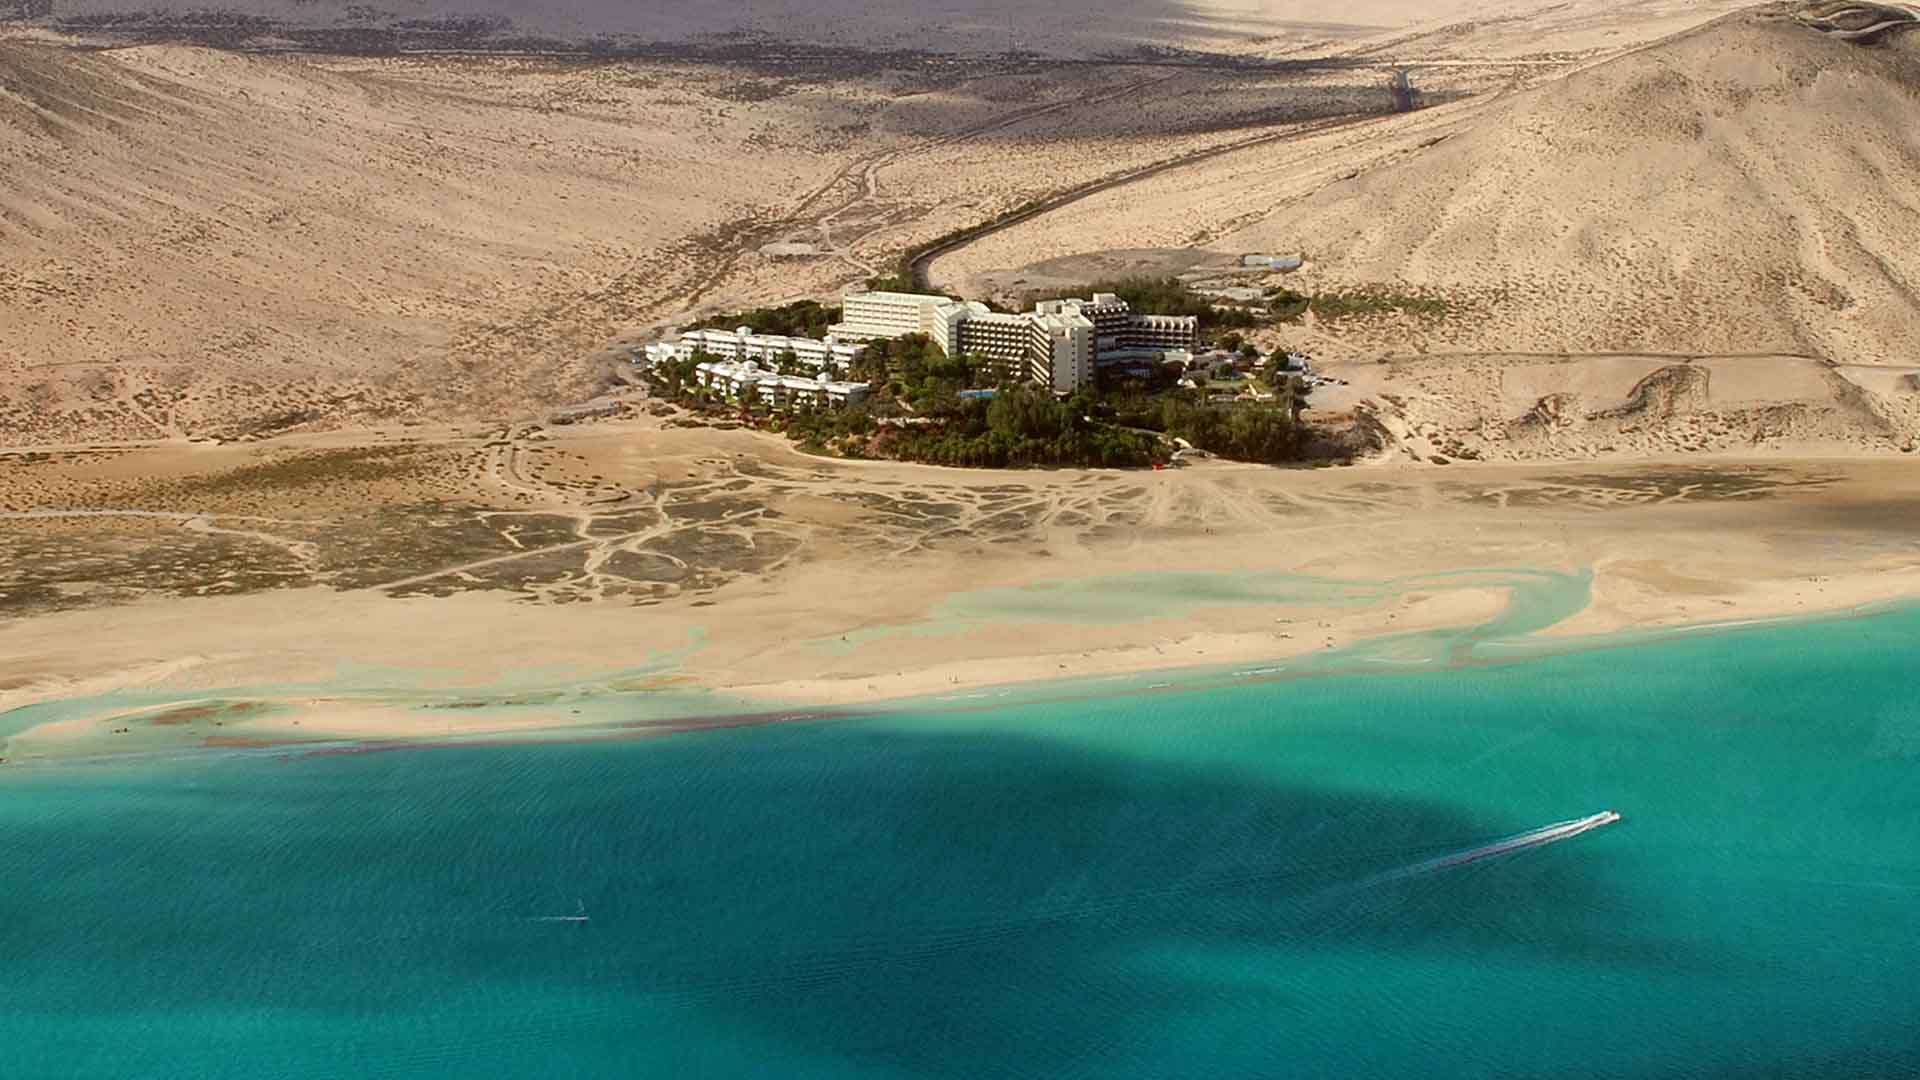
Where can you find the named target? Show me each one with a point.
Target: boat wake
(1532, 838)
(832, 961)
(579, 918)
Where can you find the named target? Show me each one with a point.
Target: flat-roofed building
(1158, 333)
(868, 315)
(944, 322)
(995, 336)
(1108, 313)
(1120, 335)
(780, 392)
(1061, 351)
(831, 355)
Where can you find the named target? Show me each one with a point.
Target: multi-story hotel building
(1060, 350)
(1060, 344)
(868, 315)
(1156, 334)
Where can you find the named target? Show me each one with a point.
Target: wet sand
(637, 573)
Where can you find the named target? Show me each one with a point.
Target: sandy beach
(632, 571)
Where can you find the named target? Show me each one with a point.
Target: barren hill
(195, 242)
(1752, 186)
(941, 26)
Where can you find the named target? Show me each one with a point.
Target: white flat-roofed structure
(1160, 332)
(869, 315)
(944, 322)
(832, 355)
(781, 392)
(1003, 339)
(1062, 357)
(1120, 336)
(1108, 313)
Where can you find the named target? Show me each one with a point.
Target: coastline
(1437, 634)
(633, 575)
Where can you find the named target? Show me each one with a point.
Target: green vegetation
(915, 371)
(1020, 427)
(902, 282)
(676, 379)
(804, 318)
(1156, 296)
(1244, 431)
(1286, 305)
(315, 468)
(1289, 306)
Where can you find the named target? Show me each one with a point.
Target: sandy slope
(194, 239)
(208, 243)
(200, 243)
(938, 25)
(1753, 186)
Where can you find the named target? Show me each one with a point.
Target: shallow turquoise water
(1536, 599)
(1158, 884)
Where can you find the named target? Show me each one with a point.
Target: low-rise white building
(780, 392)
(831, 355)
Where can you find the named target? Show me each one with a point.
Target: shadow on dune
(832, 887)
(958, 26)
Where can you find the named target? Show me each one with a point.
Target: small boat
(579, 918)
(1551, 834)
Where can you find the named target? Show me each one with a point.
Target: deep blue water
(1155, 885)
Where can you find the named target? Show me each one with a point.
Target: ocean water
(1188, 882)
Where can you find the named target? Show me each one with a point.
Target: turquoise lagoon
(1196, 881)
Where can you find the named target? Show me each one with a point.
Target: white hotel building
(1059, 344)
(831, 356)
(731, 378)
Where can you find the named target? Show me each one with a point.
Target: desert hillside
(934, 26)
(199, 242)
(1752, 186)
(246, 242)
(205, 243)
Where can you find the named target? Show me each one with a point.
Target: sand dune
(198, 242)
(1752, 186)
(201, 243)
(210, 243)
(933, 25)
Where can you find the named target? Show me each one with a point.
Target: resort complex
(1059, 345)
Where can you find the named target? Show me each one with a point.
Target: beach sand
(633, 571)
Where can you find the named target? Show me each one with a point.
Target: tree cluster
(1243, 431)
(803, 318)
(1022, 427)
(1158, 296)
